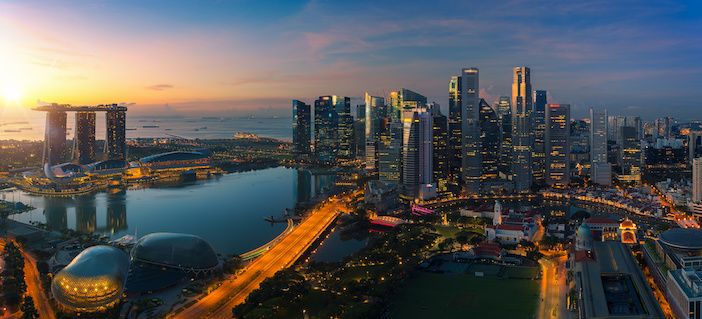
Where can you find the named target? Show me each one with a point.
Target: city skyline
(217, 59)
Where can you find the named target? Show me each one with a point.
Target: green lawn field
(465, 296)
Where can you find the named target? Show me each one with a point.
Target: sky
(252, 57)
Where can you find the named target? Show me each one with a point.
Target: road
(553, 288)
(219, 303)
(34, 288)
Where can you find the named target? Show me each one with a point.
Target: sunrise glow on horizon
(216, 58)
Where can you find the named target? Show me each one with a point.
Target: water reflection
(116, 211)
(312, 186)
(228, 211)
(56, 212)
(86, 214)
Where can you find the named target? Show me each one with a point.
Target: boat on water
(12, 131)
(150, 126)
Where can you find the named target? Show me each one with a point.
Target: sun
(11, 92)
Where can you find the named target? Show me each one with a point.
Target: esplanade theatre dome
(185, 252)
(93, 281)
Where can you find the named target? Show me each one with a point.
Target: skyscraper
(84, 139)
(600, 168)
(55, 138)
(375, 114)
(471, 167)
(694, 144)
(630, 155)
(441, 152)
(522, 134)
(326, 124)
(359, 133)
(697, 180)
(557, 144)
(302, 128)
(390, 152)
(345, 128)
(538, 154)
(405, 99)
(455, 133)
(417, 166)
(504, 113)
(490, 138)
(116, 141)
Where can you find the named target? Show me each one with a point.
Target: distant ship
(13, 131)
(131, 129)
(150, 126)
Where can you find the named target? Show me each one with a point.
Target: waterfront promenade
(219, 303)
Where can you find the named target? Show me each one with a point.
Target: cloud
(159, 87)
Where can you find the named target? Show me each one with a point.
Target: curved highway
(219, 303)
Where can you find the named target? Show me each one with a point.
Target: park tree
(28, 309)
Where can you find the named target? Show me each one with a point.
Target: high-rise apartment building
(55, 138)
(600, 168)
(116, 141)
(557, 139)
(417, 166)
(522, 134)
(302, 128)
(538, 154)
(84, 139)
(471, 162)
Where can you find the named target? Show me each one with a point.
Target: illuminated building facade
(504, 113)
(417, 167)
(116, 141)
(93, 281)
(490, 138)
(326, 123)
(538, 154)
(375, 120)
(390, 152)
(630, 156)
(600, 168)
(302, 128)
(455, 132)
(84, 139)
(522, 134)
(440, 137)
(359, 133)
(55, 138)
(471, 162)
(345, 130)
(557, 144)
(697, 180)
(694, 144)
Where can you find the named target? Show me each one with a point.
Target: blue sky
(632, 57)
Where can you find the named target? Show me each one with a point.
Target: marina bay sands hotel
(83, 151)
